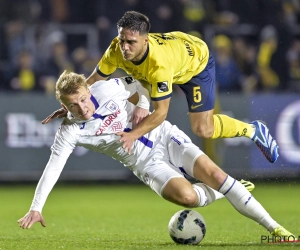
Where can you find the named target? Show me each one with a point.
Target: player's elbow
(164, 116)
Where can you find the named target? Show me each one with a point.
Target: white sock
(206, 194)
(246, 204)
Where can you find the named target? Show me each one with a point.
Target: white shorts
(172, 157)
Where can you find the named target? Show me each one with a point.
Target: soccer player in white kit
(97, 117)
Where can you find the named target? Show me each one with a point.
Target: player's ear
(146, 39)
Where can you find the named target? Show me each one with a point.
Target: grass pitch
(134, 217)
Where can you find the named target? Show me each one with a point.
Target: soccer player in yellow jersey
(160, 60)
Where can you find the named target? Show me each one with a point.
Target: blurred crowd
(256, 43)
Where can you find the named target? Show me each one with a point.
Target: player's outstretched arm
(60, 113)
(30, 218)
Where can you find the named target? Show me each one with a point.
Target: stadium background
(256, 44)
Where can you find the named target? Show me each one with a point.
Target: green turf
(134, 217)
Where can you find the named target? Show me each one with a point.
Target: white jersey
(160, 155)
(112, 115)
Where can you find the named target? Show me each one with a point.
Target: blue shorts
(200, 90)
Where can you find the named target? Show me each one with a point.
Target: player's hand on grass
(30, 218)
(138, 115)
(60, 113)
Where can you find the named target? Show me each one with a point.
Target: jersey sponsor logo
(162, 87)
(129, 79)
(117, 126)
(195, 106)
(109, 120)
(112, 106)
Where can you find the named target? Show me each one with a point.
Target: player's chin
(85, 117)
(127, 57)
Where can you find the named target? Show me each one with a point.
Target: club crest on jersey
(162, 87)
(112, 106)
(129, 79)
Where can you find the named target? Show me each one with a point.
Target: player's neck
(143, 57)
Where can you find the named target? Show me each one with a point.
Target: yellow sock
(227, 127)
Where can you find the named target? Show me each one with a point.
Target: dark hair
(135, 21)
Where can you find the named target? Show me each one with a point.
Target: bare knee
(189, 198)
(202, 123)
(208, 172)
(219, 176)
(203, 131)
(181, 194)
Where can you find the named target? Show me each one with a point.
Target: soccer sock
(246, 204)
(206, 194)
(227, 127)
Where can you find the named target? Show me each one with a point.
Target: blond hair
(69, 83)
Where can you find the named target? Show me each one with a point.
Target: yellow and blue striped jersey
(172, 58)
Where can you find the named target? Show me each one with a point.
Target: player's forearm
(144, 97)
(149, 123)
(47, 181)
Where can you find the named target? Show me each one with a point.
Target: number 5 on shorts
(197, 94)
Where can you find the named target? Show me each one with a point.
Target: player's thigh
(157, 172)
(191, 160)
(208, 172)
(200, 90)
(182, 152)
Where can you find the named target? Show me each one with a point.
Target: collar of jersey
(143, 58)
(96, 104)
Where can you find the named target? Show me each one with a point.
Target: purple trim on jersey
(82, 125)
(117, 80)
(96, 104)
(161, 98)
(142, 139)
(93, 99)
(99, 116)
(100, 73)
